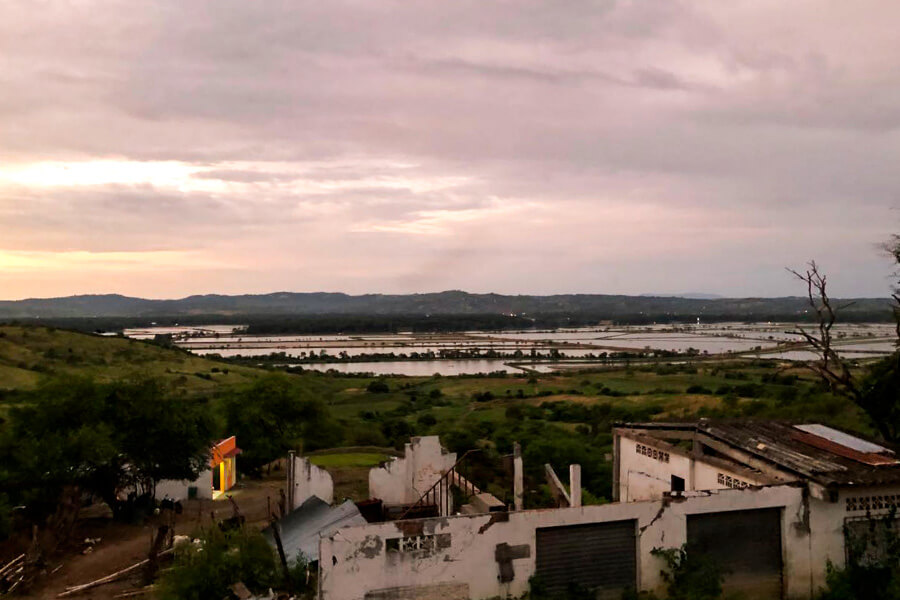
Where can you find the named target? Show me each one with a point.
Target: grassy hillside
(558, 418)
(28, 354)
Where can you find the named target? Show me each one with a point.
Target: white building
(770, 501)
(210, 483)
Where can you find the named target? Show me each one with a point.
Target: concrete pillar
(574, 485)
(518, 478)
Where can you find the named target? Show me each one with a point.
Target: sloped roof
(802, 450)
(301, 528)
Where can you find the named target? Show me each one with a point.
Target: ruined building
(772, 502)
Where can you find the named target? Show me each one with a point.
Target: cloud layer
(166, 148)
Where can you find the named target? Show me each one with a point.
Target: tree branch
(830, 367)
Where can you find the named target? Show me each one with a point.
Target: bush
(220, 560)
(873, 566)
(483, 396)
(367, 436)
(379, 386)
(697, 389)
(427, 420)
(690, 576)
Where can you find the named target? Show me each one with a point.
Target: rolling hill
(595, 306)
(27, 354)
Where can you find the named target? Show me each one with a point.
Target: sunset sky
(167, 148)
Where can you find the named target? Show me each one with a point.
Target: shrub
(873, 566)
(690, 576)
(379, 386)
(427, 420)
(207, 569)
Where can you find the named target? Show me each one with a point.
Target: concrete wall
(308, 480)
(647, 477)
(178, 490)
(404, 480)
(827, 520)
(362, 563)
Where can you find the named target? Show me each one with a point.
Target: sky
(166, 148)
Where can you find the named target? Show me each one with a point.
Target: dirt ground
(123, 545)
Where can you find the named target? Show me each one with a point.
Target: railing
(439, 493)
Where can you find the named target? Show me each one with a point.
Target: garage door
(597, 556)
(746, 544)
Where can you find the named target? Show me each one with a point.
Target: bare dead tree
(875, 389)
(893, 250)
(830, 367)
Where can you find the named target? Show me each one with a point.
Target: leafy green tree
(101, 438)
(271, 417)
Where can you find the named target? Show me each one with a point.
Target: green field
(558, 418)
(348, 459)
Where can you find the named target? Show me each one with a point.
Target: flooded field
(513, 351)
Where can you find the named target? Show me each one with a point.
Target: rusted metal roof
(842, 438)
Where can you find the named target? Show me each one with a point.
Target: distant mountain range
(594, 306)
(689, 295)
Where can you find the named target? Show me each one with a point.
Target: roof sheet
(301, 528)
(790, 448)
(843, 439)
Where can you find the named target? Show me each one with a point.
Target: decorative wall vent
(732, 482)
(419, 543)
(868, 503)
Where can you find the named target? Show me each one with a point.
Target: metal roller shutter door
(598, 556)
(747, 544)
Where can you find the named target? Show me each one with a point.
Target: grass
(349, 459)
(558, 418)
(29, 354)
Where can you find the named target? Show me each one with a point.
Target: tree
(270, 417)
(876, 390)
(72, 435)
(221, 559)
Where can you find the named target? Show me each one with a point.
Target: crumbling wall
(645, 472)
(494, 554)
(306, 479)
(825, 520)
(404, 480)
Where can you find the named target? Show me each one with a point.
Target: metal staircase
(440, 495)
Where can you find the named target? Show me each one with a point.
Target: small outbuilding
(211, 483)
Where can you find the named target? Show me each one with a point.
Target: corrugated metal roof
(773, 442)
(301, 528)
(843, 439)
(796, 450)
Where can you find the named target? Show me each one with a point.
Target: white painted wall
(309, 480)
(646, 478)
(404, 480)
(178, 489)
(355, 560)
